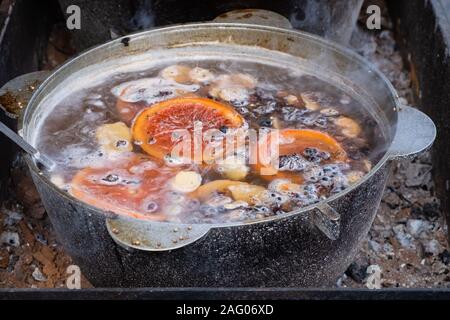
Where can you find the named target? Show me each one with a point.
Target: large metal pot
(309, 247)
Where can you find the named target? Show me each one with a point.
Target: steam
(335, 20)
(144, 17)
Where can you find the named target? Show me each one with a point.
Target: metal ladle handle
(28, 148)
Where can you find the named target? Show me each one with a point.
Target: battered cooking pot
(308, 247)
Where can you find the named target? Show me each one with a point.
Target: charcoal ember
(10, 238)
(403, 237)
(439, 268)
(4, 258)
(432, 247)
(358, 272)
(374, 246)
(417, 174)
(38, 276)
(41, 238)
(12, 217)
(416, 226)
(388, 249)
(315, 155)
(431, 210)
(294, 162)
(392, 200)
(445, 257)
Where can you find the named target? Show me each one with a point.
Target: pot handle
(327, 220)
(415, 133)
(153, 236)
(255, 16)
(17, 92)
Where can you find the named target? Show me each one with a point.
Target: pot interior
(284, 49)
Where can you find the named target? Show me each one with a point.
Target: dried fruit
(284, 186)
(367, 165)
(349, 127)
(217, 186)
(201, 75)
(233, 168)
(329, 112)
(186, 181)
(270, 198)
(291, 99)
(311, 100)
(177, 73)
(245, 80)
(235, 205)
(246, 192)
(235, 95)
(114, 137)
(354, 176)
(242, 80)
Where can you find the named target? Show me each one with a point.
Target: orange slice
(154, 126)
(133, 186)
(294, 141)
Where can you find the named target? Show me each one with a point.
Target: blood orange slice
(155, 126)
(295, 141)
(132, 186)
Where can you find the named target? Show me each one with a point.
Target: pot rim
(321, 41)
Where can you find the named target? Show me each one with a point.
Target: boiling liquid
(68, 134)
